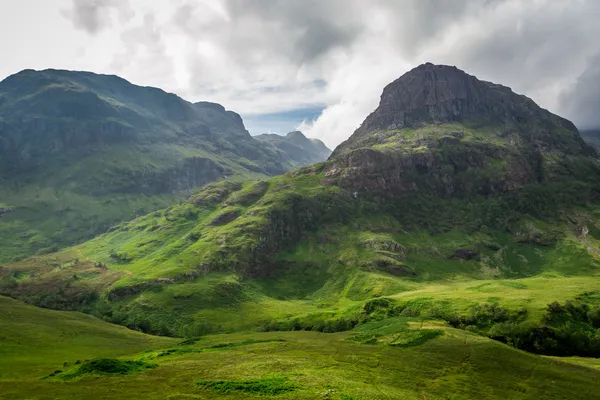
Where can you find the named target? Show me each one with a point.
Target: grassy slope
(61, 209)
(35, 342)
(331, 271)
(81, 152)
(454, 364)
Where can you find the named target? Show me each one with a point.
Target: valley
(448, 249)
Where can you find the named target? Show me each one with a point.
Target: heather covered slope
(484, 226)
(80, 152)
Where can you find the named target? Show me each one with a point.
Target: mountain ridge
(491, 229)
(91, 150)
(297, 147)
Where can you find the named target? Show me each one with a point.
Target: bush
(104, 366)
(270, 386)
(569, 329)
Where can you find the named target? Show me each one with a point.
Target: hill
(457, 199)
(62, 355)
(80, 152)
(297, 148)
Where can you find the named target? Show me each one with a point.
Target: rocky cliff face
(444, 131)
(438, 94)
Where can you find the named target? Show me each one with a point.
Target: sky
(314, 65)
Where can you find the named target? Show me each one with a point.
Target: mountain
(297, 148)
(592, 137)
(80, 152)
(456, 200)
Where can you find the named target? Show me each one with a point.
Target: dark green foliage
(380, 308)
(221, 346)
(418, 337)
(105, 366)
(572, 329)
(269, 386)
(486, 315)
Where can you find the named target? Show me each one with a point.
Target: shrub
(105, 366)
(270, 386)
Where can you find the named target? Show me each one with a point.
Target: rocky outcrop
(436, 94)
(411, 141)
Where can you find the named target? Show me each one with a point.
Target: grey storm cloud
(298, 31)
(303, 31)
(94, 15)
(582, 101)
(266, 56)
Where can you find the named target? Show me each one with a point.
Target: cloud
(263, 58)
(581, 102)
(93, 16)
(144, 48)
(536, 47)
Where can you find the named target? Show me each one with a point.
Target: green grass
(270, 386)
(36, 342)
(295, 365)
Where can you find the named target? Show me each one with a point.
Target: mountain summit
(443, 131)
(439, 94)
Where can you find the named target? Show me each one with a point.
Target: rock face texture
(297, 148)
(443, 130)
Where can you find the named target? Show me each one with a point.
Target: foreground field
(397, 358)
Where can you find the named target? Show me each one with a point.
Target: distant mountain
(592, 137)
(297, 148)
(81, 151)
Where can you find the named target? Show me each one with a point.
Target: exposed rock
(511, 146)
(466, 254)
(224, 218)
(391, 267)
(435, 94)
(384, 245)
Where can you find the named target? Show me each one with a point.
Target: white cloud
(263, 57)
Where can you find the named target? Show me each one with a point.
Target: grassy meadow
(68, 355)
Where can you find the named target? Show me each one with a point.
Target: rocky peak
(440, 130)
(439, 94)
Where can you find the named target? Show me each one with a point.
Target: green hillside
(459, 212)
(69, 355)
(36, 342)
(80, 152)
